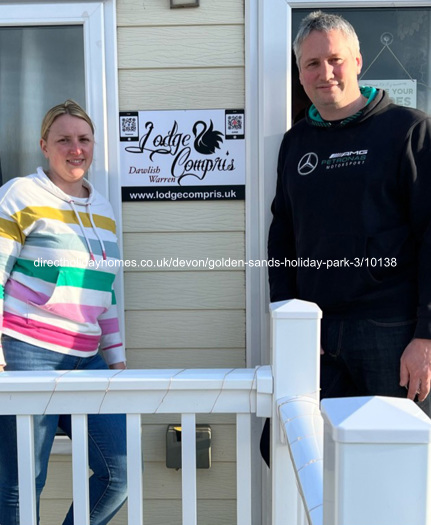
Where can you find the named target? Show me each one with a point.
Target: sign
(402, 92)
(182, 155)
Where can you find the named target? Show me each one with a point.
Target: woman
(57, 266)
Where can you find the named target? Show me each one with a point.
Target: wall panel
(179, 317)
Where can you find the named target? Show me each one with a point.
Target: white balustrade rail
(288, 392)
(264, 392)
(188, 392)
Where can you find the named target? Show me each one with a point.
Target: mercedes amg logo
(308, 163)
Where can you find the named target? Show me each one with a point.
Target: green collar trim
(367, 91)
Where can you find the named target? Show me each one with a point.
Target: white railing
(297, 469)
(187, 392)
(361, 469)
(287, 392)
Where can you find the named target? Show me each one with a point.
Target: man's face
(329, 70)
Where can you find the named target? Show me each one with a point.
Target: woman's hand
(118, 366)
(1, 368)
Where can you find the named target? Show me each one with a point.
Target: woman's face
(69, 150)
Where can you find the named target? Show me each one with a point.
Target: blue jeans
(106, 441)
(362, 357)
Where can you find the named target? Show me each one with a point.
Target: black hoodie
(355, 197)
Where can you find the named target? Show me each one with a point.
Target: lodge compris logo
(207, 139)
(183, 149)
(180, 146)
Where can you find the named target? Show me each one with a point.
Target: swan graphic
(208, 139)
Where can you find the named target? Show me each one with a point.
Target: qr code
(234, 122)
(129, 124)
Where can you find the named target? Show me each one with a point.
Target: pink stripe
(51, 334)
(113, 346)
(75, 312)
(109, 326)
(23, 293)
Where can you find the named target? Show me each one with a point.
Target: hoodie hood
(42, 178)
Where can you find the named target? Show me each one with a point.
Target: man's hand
(415, 371)
(118, 366)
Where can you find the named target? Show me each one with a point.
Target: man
(351, 227)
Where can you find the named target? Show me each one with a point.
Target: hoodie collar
(316, 120)
(48, 185)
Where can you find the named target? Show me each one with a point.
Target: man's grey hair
(324, 22)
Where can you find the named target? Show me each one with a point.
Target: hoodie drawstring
(96, 232)
(88, 207)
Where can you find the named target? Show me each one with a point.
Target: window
(40, 66)
(395, 46)
(85, 31)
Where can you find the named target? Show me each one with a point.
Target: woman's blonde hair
(70, 107)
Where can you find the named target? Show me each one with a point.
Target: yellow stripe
(27, 216)
(11, 230)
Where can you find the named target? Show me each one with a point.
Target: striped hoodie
(58, 260)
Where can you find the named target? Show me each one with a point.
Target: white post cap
(295, 309)
(376, 419)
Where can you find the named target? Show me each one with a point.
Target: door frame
(268, 52)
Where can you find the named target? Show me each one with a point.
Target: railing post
(188, 466)
(377, 458)
(81, 496)
(26, 470)
(295, 358)
(134, 470)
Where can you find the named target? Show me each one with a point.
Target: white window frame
(98, 19)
